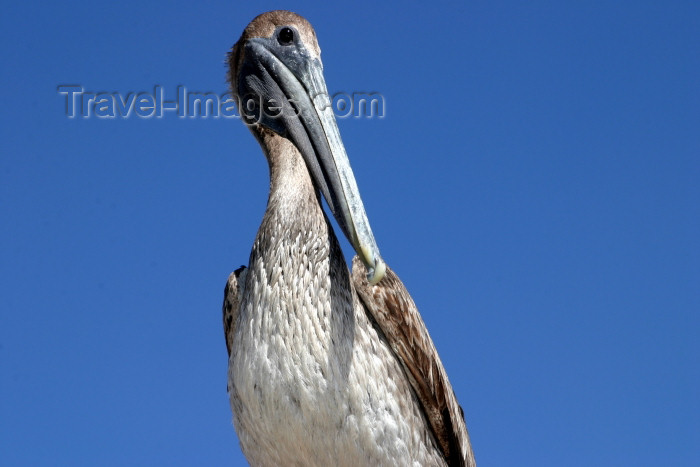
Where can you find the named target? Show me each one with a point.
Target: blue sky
(535, 183)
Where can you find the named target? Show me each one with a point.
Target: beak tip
(376, 273)
(375, 265)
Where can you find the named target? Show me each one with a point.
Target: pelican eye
(285, 36)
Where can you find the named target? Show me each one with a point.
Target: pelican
(326, 367)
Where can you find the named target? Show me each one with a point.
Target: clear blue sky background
(536, 184)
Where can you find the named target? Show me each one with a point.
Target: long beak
(290, 85)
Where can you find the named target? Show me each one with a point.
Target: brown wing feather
(231, 301)
(394, 311)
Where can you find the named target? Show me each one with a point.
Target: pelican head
(276, 75)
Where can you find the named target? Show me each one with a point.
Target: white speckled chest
(311, 381)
